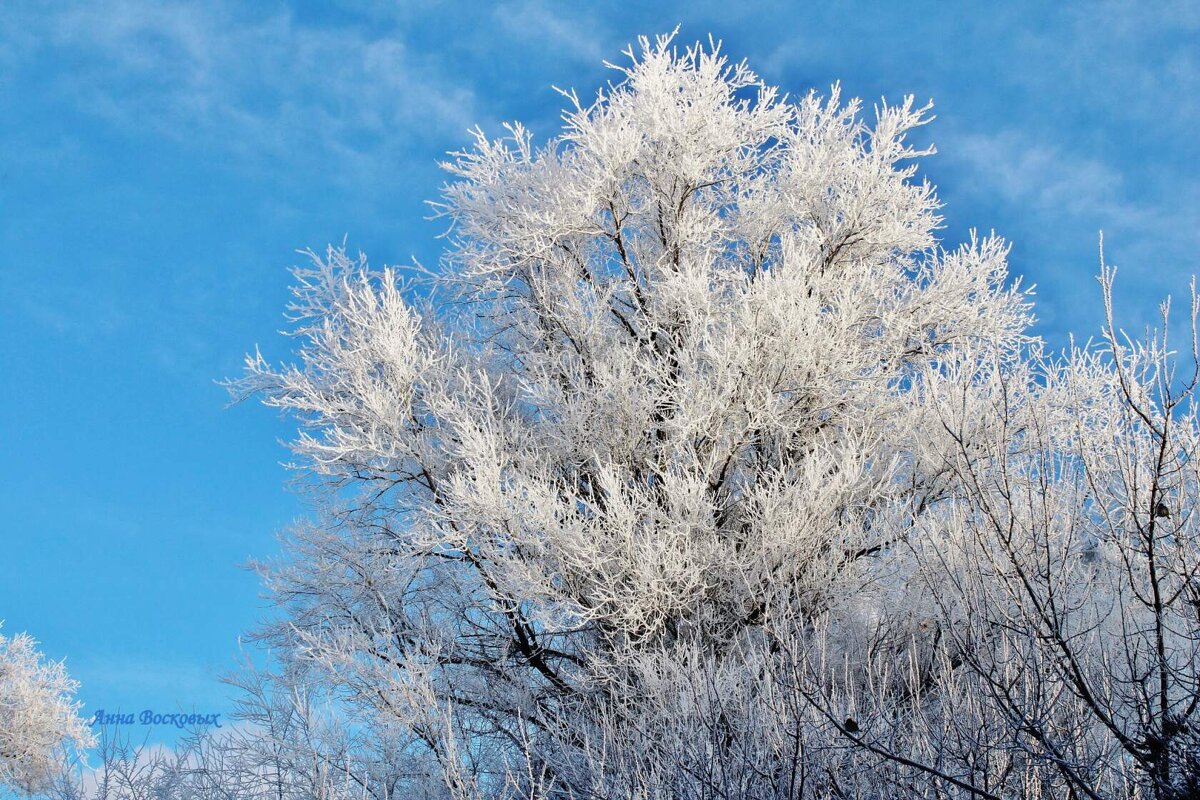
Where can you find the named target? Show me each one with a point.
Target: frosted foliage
(699, 447)
(38, 716)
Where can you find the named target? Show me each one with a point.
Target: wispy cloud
(225, 78)
(1021, 169)
(1055, 186)
(573, 31)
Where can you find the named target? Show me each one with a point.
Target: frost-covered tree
(694, 469)
(38, 715)
(1067, 579)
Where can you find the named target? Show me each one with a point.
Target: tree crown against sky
(673, 403)
(698, 312)
(38, 715)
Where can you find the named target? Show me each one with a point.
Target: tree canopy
(700, 467)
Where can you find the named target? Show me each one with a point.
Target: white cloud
(1023, 170)
(1068, 186)
(214, 76)
(577, 35)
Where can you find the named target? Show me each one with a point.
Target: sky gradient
(161, 162)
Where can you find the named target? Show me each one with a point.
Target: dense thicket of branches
(701, 470)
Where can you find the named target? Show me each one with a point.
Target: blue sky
(161, 162)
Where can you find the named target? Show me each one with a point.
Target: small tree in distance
(39, 719)
(700, 469)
